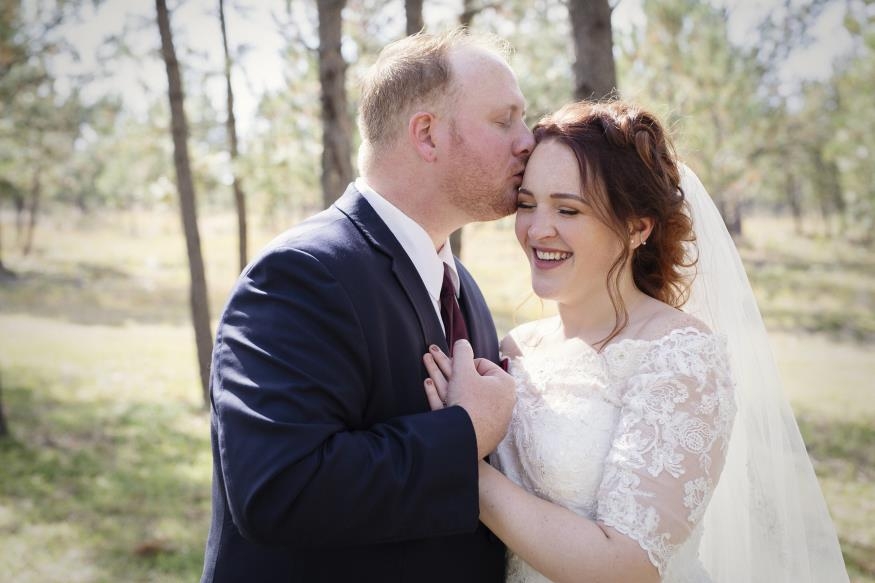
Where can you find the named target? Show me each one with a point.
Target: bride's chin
(542, 292)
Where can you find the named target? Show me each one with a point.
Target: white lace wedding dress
(634, 437)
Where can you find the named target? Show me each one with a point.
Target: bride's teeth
(551, 255)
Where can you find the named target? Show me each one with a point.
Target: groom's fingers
(487, 398)
(486, 367)
(463, 356)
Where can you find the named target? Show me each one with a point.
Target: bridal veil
(767, 521)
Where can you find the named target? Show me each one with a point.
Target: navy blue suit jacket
(328, 464)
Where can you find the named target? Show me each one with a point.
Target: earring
(644, 241)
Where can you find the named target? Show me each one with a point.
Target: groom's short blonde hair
(413, 72)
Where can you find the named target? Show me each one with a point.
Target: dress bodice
(633, 437)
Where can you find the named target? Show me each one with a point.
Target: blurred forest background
(148, 151)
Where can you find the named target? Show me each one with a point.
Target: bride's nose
(541, 227)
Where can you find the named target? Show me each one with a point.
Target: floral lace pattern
(634, 437)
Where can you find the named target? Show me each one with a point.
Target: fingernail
(434, 348)
(429, 382)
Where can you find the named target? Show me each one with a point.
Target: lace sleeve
(670, 444)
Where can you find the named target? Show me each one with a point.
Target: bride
(648, 443)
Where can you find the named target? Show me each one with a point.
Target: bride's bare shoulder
(666, 319)
(526, 336)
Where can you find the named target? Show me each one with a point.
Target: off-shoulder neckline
(683, 330)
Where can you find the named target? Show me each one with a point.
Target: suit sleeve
(290, 382)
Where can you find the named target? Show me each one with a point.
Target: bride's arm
(554, 540)
(665, 460)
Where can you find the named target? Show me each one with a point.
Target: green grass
(811, 283)
(106, 476)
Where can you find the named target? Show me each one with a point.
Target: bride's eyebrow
(558, 195)
(568, 195)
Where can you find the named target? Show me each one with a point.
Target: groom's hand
(482, 388)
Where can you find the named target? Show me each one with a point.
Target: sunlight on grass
(111, 449)
(107, 474)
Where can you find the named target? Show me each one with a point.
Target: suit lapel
(475, 330)
(356, 208)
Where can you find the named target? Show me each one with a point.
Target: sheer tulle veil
(767, 520)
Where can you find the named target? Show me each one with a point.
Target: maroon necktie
(451, 314)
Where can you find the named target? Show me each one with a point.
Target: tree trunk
(4, 428)
(4, 271)
(828, 190)
(18, 200)
(456, 242)
(833, 185)
(413, 10)
(6, 189)
(231, 128)
(336, 124)
(32, 211)
(188, 210)
(595, 76)
(731, 213)
(468, 13)
(794, 197)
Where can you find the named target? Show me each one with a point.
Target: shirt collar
(415, 242)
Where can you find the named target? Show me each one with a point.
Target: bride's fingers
(434, 400)
(443, 361)
(436, 375)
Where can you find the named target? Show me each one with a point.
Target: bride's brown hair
(629, 170)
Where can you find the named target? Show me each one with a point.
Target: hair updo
(629, 169)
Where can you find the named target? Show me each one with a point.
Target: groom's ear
(420, 133)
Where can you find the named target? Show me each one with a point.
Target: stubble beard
(479, 201)
(470, 190)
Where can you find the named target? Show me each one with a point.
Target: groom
(328, 465)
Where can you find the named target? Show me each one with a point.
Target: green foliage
(851, 145)
(806, 151)
(753, 143)
(682, 64)
(281, 164)
(37, 124)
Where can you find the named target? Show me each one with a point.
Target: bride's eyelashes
(565, 211)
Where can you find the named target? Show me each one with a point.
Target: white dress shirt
(416, 243)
